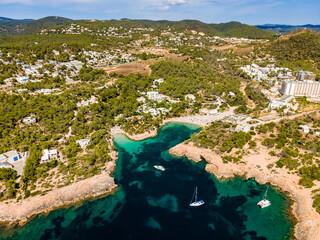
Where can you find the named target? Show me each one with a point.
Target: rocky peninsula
(18, 213)
(254, 166)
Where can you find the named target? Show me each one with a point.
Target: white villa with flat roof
(10, 157)
(47, 155)
(83, 142)
(153, 95)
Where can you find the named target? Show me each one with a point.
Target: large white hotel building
(305, 86)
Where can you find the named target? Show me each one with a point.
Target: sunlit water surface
(151, 204)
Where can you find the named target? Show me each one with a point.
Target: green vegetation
(27, 27)
(230, 29)
(7, 174)
(300, 51)
(236, 29)
(210, 75)
(297, 152)
(257, 96)
(222, 136)
(200, 79)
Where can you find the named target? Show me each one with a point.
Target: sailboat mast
(265, 194)
(196, 194)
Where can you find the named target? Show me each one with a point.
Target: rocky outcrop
(256, 166)
(18, 213)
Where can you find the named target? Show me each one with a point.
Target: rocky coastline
(255, 166)
(19, 213)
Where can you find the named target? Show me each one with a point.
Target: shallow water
(151, 204)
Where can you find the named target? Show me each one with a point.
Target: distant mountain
(230, 29)
(282, 28)
(13, 27)
(236, 29)
(4, 19)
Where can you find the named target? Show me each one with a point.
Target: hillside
(4, 19)
(12, 27)
(236, 29)
(231, 29)
(299, 49)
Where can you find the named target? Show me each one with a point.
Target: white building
(31, 119)
(47, 155)
(10, 157)
(83, 142)
(301, 76)
(47, 91)
(190, 97)
(160, 80)
(301, 88)
(231, 94)
(86, 103)
(281, 102)
(306, 129)
(22, 79)
(153, 95)
(6, 165)
(243, 128)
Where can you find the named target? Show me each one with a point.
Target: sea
(151, 204)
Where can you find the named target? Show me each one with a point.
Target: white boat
(159, 167)
(264, 202)
(195, 203)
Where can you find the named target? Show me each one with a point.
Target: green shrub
(306, 181)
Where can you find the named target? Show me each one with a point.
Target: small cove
(151, 204)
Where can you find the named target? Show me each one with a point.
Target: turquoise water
(151, 204)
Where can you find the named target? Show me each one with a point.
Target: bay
(153, 204)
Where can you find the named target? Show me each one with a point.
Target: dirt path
(251, 103)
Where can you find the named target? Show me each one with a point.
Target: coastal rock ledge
(255, 166)
(19, 213)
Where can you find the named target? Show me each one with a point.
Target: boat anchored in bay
(195, 203)
(264, 202)
(161, 168)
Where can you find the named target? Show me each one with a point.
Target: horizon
(252, 12)
(92, 19)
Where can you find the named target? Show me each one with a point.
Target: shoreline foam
(308, 225)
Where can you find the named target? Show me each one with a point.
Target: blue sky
(210, 11)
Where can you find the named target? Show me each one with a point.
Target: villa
(10, 157)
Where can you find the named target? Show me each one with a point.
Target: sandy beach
(136, 137)
(255, 166)
(198, 119)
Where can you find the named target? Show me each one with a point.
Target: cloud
(167, 4)
(163, 8)
(44, 3)
(176, 2)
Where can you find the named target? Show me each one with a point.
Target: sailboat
(195, 203)
(264, 202)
